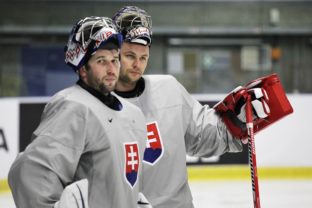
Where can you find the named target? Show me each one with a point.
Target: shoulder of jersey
(127, 104)
(77, 95)
(159, 77)
(160, 81)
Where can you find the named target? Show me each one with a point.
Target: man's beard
(104, 89)
(125, 78)
(99, 85)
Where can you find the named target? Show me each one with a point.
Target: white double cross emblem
(132, 162)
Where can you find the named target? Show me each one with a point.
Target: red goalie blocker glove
(269, 104)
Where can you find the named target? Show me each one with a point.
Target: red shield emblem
(132, 163)
(154, 146)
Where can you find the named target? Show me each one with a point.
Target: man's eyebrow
(130, 52)
(115, 56)
(101, 57)
(133, 53)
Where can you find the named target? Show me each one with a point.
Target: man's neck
(125, 87)
(131, 91)
(109, 100)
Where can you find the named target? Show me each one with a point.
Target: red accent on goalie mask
(276, 99)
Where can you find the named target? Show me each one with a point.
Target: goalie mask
(89, 35)
(269, 103)
(134, 24)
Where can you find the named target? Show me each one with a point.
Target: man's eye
(130, 56)
(116, 61)
(101, 60)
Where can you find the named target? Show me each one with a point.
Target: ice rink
(238, 194)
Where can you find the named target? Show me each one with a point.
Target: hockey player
(87, 150)
(176, 123)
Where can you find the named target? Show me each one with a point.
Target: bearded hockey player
(88, 147)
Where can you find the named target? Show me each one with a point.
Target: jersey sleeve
(39, 174)
(206, 134)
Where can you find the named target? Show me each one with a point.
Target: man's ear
(82, 72)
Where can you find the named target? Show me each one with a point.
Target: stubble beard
(126, 79)
(99, 85)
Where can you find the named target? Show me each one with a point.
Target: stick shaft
(252, 154)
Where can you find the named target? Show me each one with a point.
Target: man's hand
(269, 104)
(260, 107)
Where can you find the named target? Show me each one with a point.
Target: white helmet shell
(135, 25)
(88, 35)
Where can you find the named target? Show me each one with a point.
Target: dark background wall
(199, 42)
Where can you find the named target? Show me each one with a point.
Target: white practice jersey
(177, 124)
(80, 137)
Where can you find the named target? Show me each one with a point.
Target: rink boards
(282, 149)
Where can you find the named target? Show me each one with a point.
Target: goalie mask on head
(268, 100)
(87, 36)
(134, 24)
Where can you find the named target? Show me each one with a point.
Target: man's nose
(111, 68)
(136, 63)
